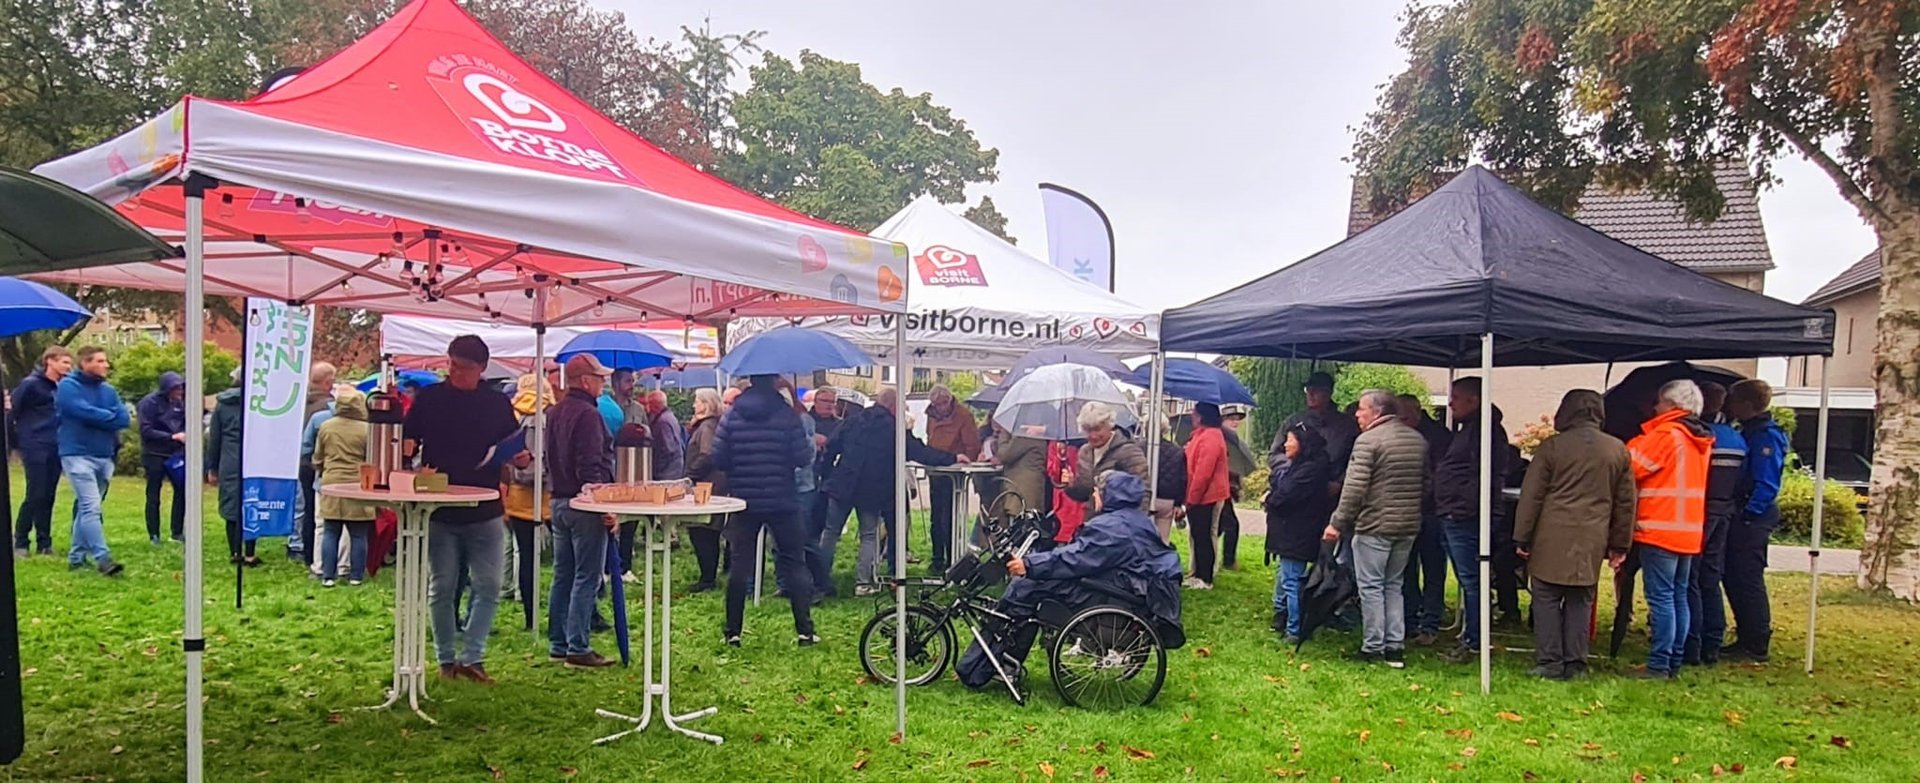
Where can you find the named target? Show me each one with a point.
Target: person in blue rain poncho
(1119, 547)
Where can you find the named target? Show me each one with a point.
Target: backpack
(1172, 483)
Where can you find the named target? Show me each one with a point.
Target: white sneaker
(863, 591)
(354, 582)
(629, 578)
(1194, 583)
(326, 583)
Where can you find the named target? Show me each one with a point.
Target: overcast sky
(1213, 134)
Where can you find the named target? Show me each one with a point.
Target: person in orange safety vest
(1671, 457)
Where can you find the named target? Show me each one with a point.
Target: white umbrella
(1045, 403)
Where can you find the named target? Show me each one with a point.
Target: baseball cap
(1320, 380)
(585, 364)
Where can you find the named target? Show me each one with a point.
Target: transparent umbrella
(1046, 403)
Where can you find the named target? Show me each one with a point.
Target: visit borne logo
(945, 266)
(512, 122)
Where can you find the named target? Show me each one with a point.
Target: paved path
(1253, 522)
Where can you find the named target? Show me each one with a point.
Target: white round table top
(684, 507)
(971, 467)
(453, 495)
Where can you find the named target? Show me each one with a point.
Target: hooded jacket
(1578, 500)
(1023, 463)
(759, 445)
(862, 455)
(91, 416)
(34, 426)
(161, 418)
(338, 449)
(1297, 503)
(1766, 460)
(1456, 478)
(1121, 546)
(1671, 458)
(223, 450)
(516, 486)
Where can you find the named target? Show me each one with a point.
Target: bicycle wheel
(930, 645)
(1108, 658)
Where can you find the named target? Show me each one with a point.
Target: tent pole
(540, 404)
(1486, 512)
(191, 641)
(1156, 422)
(1819, 511)
(900, 511)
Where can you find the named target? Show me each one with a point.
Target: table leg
(960, 528)
(409, 612)
(666, 662)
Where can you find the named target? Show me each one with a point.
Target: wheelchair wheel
(1108, 658)
(930, 644)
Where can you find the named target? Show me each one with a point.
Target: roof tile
(1864, 274)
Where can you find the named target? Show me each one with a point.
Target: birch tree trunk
(1892, 551)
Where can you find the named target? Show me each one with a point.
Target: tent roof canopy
(426, 169)
(45, 225)
(1478, 256)
(979, 302)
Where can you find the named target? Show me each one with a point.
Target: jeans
(36, 509)
(1666, 574)
(790, 566)
(358, 530)
(1560, 614)
(1709, 627)
(155, 467)
(89, 477)
(1746, 579)
(940, 497)
(579, 554)
(1201, 522)
(469, 552)
(1425, 585)
(869, 555)
(306, 506)
(1379, 566)
(1463, 548)
(1286, 592)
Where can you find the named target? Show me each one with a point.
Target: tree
(987, 216)
(818, 138)
(136, 371)
(1350, 380)
(1655, 94)
(1277, 392)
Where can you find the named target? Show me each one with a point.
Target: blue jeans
(820, 559)
(579, 556)
(472, 550)
(89, 477)
(1666, 575)
(1425, 585)
(1463, 548)
(1286, 592)
(357, 531)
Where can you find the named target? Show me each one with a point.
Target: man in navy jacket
(91, 418)
(1750, 402)
(163, 433)
(34, 433)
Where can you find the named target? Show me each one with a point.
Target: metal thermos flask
(384, 417)
(632, 464)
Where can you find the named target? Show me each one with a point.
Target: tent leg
(1156, 420)
(532, 598)
(900, 384)
(191, 640)
(1819, 508)
(1486, 512)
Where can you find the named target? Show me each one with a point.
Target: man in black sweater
(578, 454)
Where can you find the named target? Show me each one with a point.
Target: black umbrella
(1630, 401)
(1329, 587)
(1623, 600)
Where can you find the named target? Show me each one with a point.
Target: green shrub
(1787, 420)
(136, 371)
(1842, 526)
(1353, 379)
(1254, 487)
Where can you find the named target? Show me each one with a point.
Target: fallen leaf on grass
(1786, 762)
(799, 698)
(1046, 769)
(1469, 751)
(1306, 667)
(1531, 742)
(1719, 770)
(1511, 717)
(498, 773)
(1100, 773)
(859, 764)
(1841, 742)
(1460, 734)
(1734, 718)
(1589, 746)
(894, 739)
(861, 680)
(336, 718)
(1139, 753)
(569, 771)
(1204, 652)
(118, 749)
(1527, 774)
(1442, 709)
(1737, 768)
(1637, 777)
(1365, 734)
(1100, 746)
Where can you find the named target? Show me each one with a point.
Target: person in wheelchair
(1117, 558)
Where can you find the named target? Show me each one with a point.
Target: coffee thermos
(384, 417)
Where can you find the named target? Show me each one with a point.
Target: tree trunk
(1892, 551)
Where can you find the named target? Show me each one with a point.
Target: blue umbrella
(617, 349)
(27, 306)
(416, 378)
(1195, 380)
(791, 351)
(1042, 357)
(616, 568)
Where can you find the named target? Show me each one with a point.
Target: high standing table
(410, 578)
(963, 477)
(658, 520)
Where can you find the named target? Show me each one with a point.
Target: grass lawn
(104, 691)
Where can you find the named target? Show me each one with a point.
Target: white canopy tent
(980, 303)
(422, 342)
(439, 175)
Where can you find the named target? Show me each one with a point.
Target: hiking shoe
(590, 660)
(153, 540)
(353, 583)
(1363, 656)
(326, 583)
(476, 672)
(1291, 639)
(46, 551)
(1395, 658)
(449, 671)
(110, 567)
(1546, 672)
(1644, 673)
(1739, 652)
(1425, 639)
(1279, 624)
(864, 591)
(702, 586)
(1460, 654)
(807, 639)
(732, 640)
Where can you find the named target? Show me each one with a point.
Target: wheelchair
(1104, 655)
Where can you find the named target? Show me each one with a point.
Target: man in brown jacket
(950, 428)
(1576, 508)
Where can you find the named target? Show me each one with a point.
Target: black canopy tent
(1479, 274)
